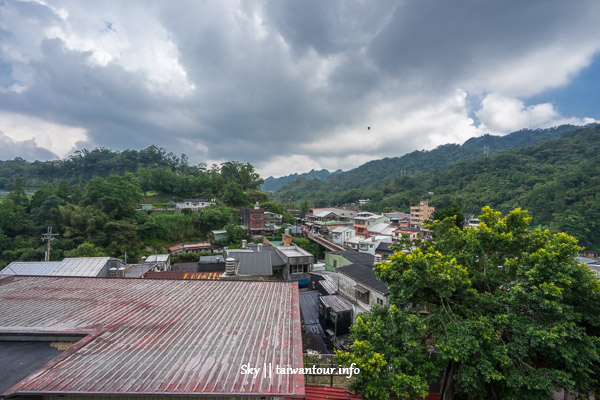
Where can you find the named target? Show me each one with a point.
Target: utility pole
(48, 236)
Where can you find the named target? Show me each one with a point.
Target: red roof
(158, 337)
(328, 393)
(190, 246)
(183, 275)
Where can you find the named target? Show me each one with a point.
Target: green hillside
(556, 181)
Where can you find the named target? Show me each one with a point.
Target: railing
(325, 370)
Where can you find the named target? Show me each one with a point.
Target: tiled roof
(365, 276)
(158, 337)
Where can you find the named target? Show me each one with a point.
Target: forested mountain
(87, 164)
(376, 173)
(556, 181)
(98, 216)
(272, 184)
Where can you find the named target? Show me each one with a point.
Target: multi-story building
(420, 213)
(364, 221)
(253, 218)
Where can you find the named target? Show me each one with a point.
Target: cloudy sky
(290, 85)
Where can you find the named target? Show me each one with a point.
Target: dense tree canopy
(495, 312)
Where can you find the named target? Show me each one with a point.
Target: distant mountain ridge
(377, 173)
(272, 184)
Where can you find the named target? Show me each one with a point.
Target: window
(379, 301)
(362, 294)
(299, 269)
(334, 263)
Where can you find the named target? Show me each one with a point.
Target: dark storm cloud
(28, 150)
(266, 81)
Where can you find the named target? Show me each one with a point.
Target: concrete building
(420, 213)
(363, 223)
(253, 218)
(341, 234)
(194, 204)
(157, 262)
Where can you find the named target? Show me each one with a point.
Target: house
(194, 204)
(295, 213)
(381, 229)
(147, 338)
(219, 236)
(158, 262)
(253, 218)
(73, 266)
(359, 283)
(420, 214)
(400, 233)
(298, 262)
(341, 234)
(273, 218)
(335, 315)
(320, 215)
(336, 259)
(251, 264)
(366, 221)
(369, 244)
(383, 250)
(190, 247)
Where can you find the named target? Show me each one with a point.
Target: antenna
(486, 150)
(48, 236)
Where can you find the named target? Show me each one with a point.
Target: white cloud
(56, 138)
(287, 86)
(500, 115)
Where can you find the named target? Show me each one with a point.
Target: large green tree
(496, 312)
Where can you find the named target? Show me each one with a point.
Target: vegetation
(498, 312)
(97, 215)
(555, 180)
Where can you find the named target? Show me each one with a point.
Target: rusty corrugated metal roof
(148, 337)
(214, 276)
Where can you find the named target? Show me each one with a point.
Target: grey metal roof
(30, 268)
(276, 260)
(356, 257)
(154, 258)
(336, 303)
(252, 263)
(365, 276)
(309, 307)
(159, 337)
(81, 266)
(329, 282)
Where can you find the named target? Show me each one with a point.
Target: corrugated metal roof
(159, 337)
(80, 266)
(215, 276)
(329, 393)
(309, 307)
(252, 263)
(154, 258)
(30, 268)
(337, 303)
